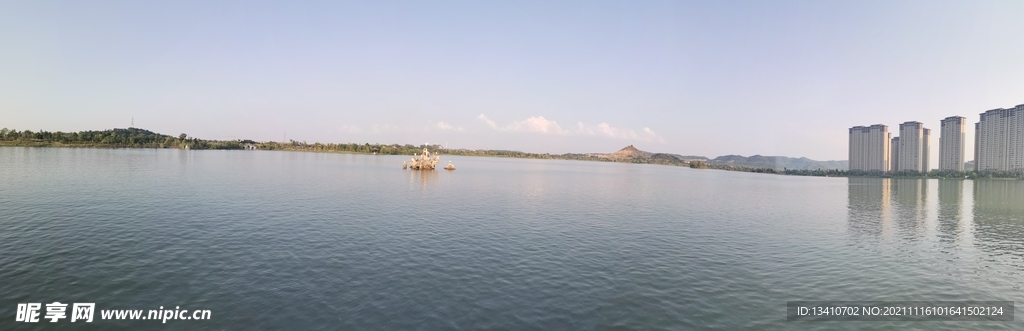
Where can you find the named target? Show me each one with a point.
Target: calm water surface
(282, 240)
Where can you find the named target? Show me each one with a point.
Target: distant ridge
(633, 154)
(139, 138)
(629, 153)
(779, 162)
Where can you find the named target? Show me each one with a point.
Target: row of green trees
(130, 137)
(121, 138)
(969, 174)
(947, 174)
(407, 149)
(385, 149)
(744, 169)
(140, 138)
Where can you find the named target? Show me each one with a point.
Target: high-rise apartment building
(869, 148)
(926, 154)
(913, 147)
(999, 140)
(894, 154)
(951, 143)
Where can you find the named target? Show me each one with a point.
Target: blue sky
(697, 78)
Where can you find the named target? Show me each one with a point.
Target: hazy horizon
(693, 78)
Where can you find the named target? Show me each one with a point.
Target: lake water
(305, 241)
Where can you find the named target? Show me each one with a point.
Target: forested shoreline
(114, 138)
(141, 138)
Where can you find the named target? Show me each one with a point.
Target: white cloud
(537, 124)
(352, 129)
(448, 127)
(605, 129)
(487, 121)
(533, 124)
(382, 128)
(540, 124)
(388, 128)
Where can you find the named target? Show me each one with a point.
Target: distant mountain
(778, 162)
(629, 153)
(632, 154)
(689, 158)
(666, 157)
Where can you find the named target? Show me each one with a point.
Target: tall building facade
(926, 145)
(869, 148)
(913, 147)
(894, 154)
(999, 140)
(952, 137)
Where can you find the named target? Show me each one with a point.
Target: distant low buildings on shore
(998, 144)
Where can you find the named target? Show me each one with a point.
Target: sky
(703, 78)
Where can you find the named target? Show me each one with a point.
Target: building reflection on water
(999, 216)
(870, 205)
(950, 214)
(984, 214)
(911, 200)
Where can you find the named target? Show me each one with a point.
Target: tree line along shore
(141, 138)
